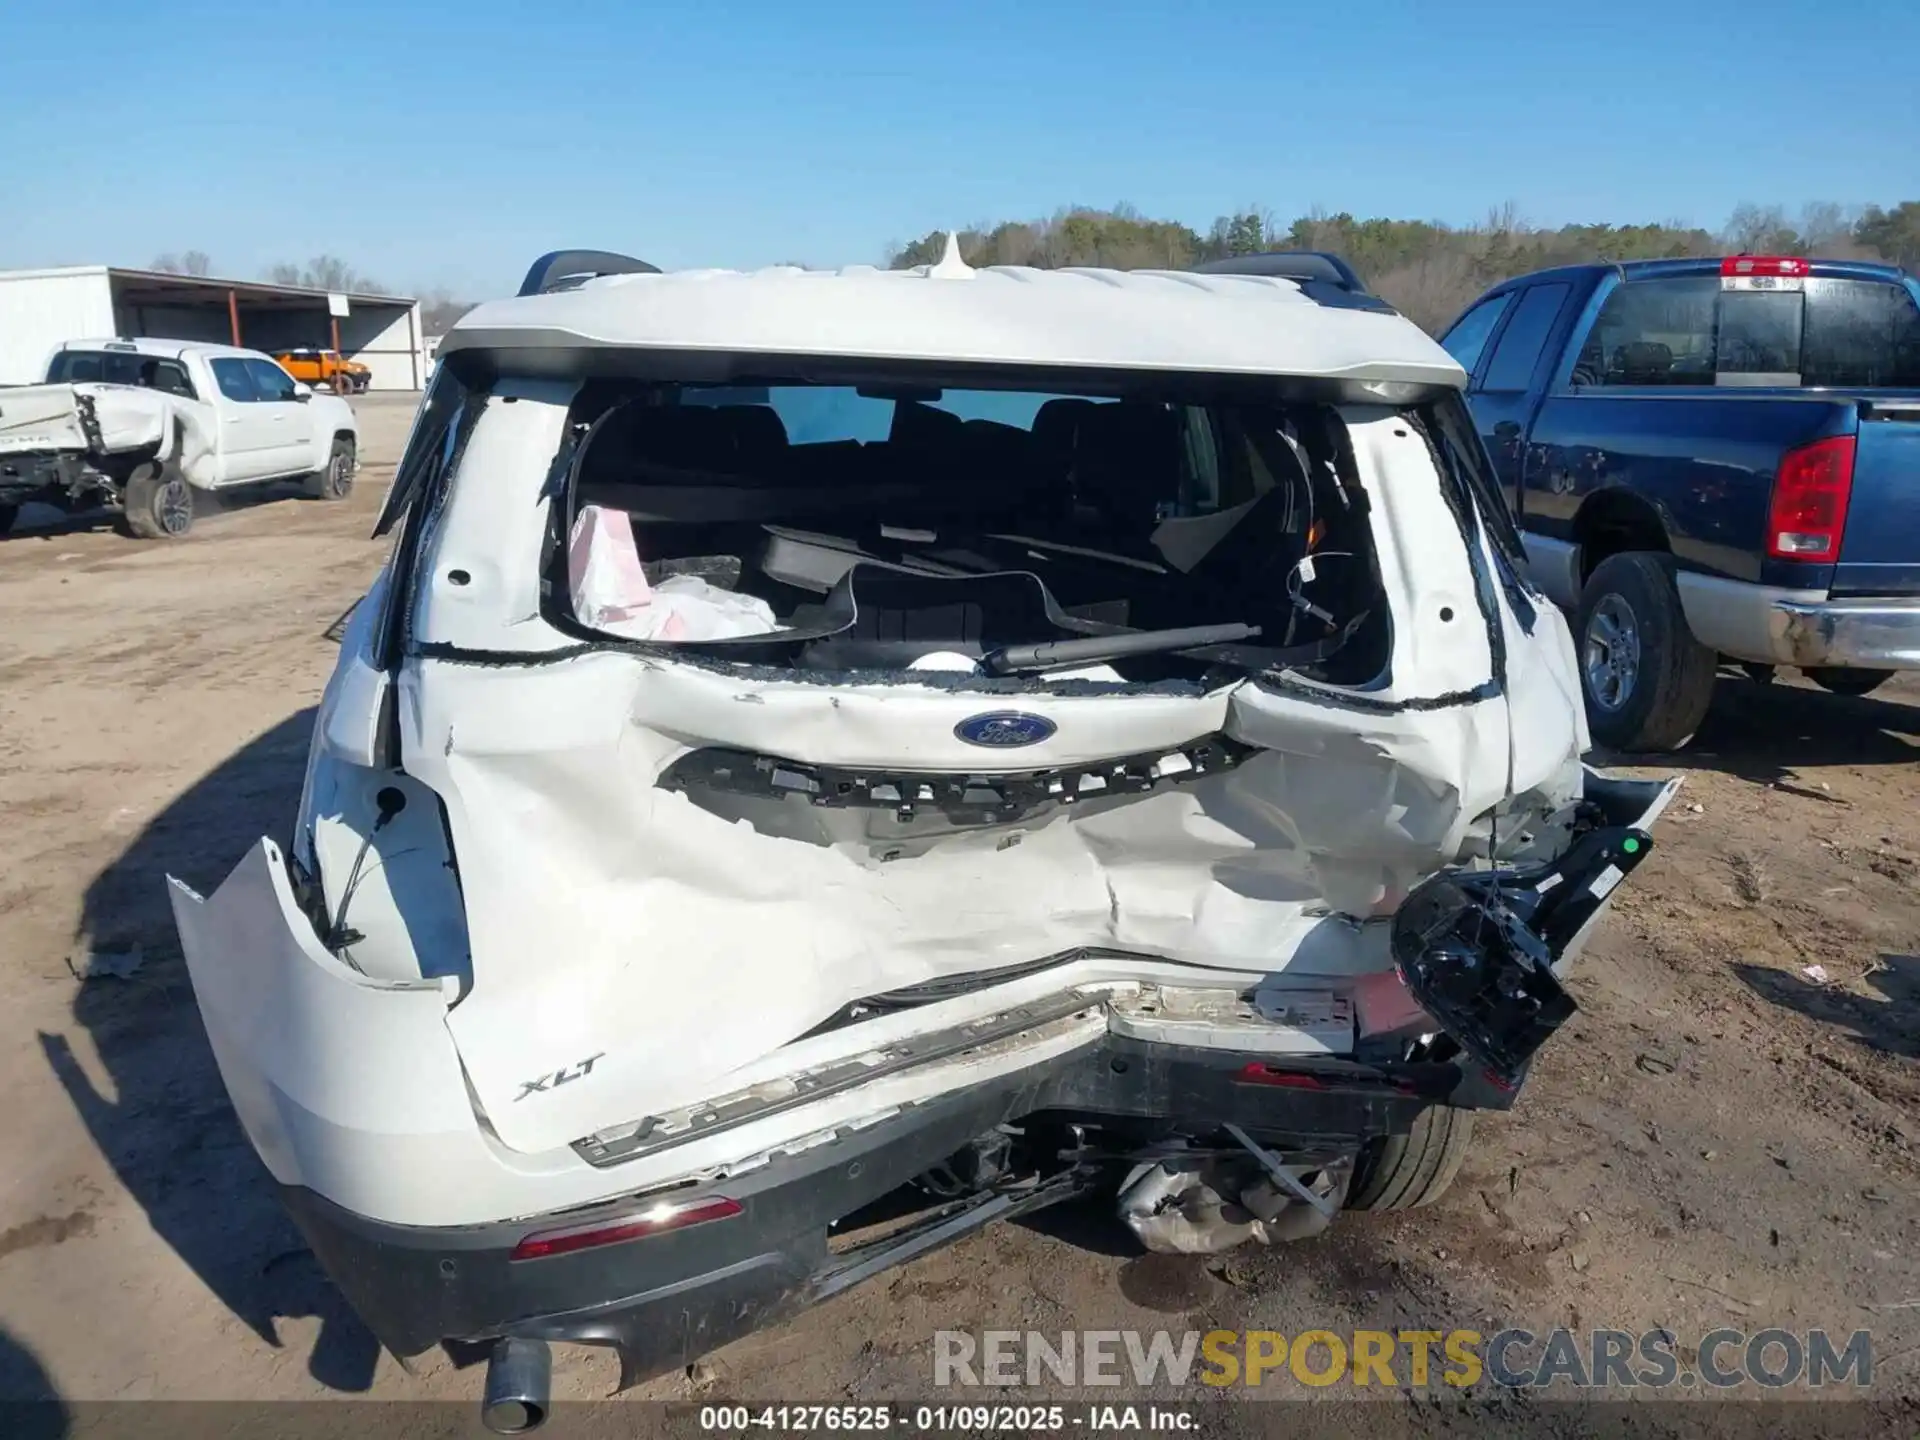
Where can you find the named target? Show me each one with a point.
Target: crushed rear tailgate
(35, 419)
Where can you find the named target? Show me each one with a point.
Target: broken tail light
(1477, 948)
(656, 1219)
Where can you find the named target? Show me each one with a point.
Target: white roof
(1154, 320)
(170, 349)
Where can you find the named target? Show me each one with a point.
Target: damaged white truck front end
(1199, 814)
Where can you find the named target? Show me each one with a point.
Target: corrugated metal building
(39, 309)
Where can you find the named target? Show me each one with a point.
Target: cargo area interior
(885, 525)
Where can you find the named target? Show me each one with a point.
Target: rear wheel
(335, 481)
(1646, 680)
(157, 503)
(1847, 680)
(1400, 1172)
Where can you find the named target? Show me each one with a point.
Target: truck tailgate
(38, 418)
(1880, 554)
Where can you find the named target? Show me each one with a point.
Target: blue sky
(451, 143)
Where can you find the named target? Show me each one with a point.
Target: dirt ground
(1717, 1138)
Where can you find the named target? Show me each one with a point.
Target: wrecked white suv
(1006, 734)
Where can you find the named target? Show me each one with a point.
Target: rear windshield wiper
(1057, 654)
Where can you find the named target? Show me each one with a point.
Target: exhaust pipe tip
(519, 1386)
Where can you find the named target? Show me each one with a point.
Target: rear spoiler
(567, 269)
(1323, 276)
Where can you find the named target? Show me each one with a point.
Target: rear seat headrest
(915, 424)
(1127, 459)
(757, 434)
(1057, 423)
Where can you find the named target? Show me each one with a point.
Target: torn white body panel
(351, 1085)
(606, 913)
(640, 908)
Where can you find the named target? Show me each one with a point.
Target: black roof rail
(1323, 277)
(1290, 265)
(565, 269)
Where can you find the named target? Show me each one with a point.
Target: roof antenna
(951, 266)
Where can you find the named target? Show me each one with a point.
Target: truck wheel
(1647, 681)
(336, 481)
(1402, 1171)
(157, 503)
(1847, 680)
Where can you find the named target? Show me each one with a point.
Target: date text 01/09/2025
(934, 1419)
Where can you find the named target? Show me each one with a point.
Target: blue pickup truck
(1710, 460)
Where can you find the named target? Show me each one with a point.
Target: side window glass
(270, 380)
(1468, 337)
(1517, 355)
(1652, 332)
(83, 368)
(233, 379)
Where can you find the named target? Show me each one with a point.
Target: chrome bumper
(1873, 634)
(1801, 628)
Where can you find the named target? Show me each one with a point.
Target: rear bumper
(665, 1299)
(1801, 628)
(1873, 634)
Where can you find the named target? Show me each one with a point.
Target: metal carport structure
(40, 309)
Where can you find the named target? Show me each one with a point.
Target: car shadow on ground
(30, 1409)
(1767, 734)
(46, 522)
(1888, 1021)
(164, 1122)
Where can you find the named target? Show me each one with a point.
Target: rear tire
(335, 482)
(1647, 682)
(1849, 680)
(157, 502)
(1400, 1172)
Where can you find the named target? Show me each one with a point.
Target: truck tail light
(1810, 495)
(1763, 265)
(655, 1220)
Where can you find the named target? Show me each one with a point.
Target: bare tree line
(1428, 270)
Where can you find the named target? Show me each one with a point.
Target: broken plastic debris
(604, 573)
(109, 964)
(1815, 973)
(610, 591)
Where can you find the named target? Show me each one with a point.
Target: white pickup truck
(142, 424)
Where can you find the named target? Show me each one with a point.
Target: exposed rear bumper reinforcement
(1479, 949)
(964, 798)
(664, 1300)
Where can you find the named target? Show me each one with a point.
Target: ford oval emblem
(1004, 729)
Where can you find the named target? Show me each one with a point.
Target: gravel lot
(1717, 1139)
